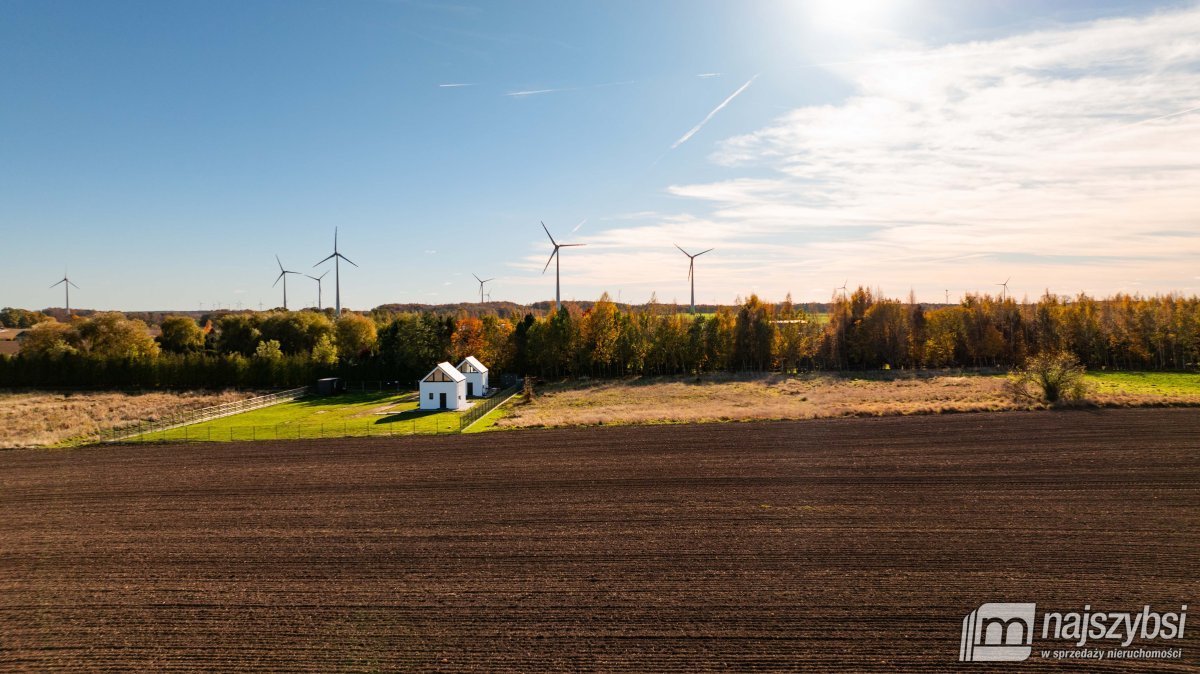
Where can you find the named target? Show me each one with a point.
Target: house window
(431, 396)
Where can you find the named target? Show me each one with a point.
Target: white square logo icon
(998, 632)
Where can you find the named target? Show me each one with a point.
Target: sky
(162, 154)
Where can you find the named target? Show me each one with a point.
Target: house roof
(473, 362)
(448, 370)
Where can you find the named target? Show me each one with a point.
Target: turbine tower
(66, 284)
(337, 276)
(692, 271)
(555, 257)
(481, 282)
(283, 275)
(318, 280)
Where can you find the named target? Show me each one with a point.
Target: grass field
(743, 398)
(44, 419)
(1165, 384)
(345, 415)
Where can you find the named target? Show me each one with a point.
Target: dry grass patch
(44, 419)
(732, 398)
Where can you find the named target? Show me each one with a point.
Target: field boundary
(204, 414)
(481, 409)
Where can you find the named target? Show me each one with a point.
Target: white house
(477, 376)
(444, 388)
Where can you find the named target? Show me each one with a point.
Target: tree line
(862, 330)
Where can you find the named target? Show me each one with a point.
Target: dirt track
(854, 544)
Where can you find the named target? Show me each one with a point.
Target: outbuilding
(444, 388)
(476, 374)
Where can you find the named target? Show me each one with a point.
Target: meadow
(725, 397)
(43, 419)
(345, 415)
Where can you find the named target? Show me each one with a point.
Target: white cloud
(1063, 158)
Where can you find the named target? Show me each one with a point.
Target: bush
(1052, 377)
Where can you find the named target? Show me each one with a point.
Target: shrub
(1052, 377)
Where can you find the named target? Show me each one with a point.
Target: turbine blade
(681, 249)
(277, 279)
(703, 252)
(690, 265)
(571, 245)
(549, 234)
(72, 283)
(487, 280)
(59, 283)
(477, 278)
(550, 260)
(325, 260)
(278, 262)
(335, 239)
(345, 258)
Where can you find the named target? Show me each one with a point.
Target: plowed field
(849, 544)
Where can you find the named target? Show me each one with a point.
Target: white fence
(205, 414)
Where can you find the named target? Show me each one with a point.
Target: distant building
(444, 388)
(476, 374)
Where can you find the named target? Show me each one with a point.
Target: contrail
(455, 85)
(579, 225)
(1154, 119)
(710, 115)
(534, 92)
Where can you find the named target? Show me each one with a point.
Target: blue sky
(165, 152)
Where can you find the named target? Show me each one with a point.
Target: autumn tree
(50, 339)
(468, 339)
(357, 336)
(181, 334)
(238, 333)
(600, 330)
(753, 336)
(111, 335)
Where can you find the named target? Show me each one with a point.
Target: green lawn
(1145, 383)
(345, 415)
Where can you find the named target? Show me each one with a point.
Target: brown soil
(847, 544)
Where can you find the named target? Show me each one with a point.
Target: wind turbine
(481, 282)
(1005, 285)
(318, 280)
(692, 271)
(842, 288)
(554, 257)
(283, 275)
(66, 283)
(337, 276)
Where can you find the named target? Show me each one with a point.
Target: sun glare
(851, 16)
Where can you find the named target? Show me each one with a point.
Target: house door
(442, 400)
(470, 389)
